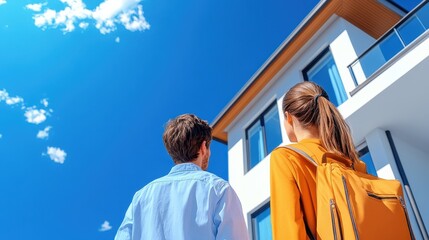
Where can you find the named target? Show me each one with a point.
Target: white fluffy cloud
(14, 100)
(44, 102)
(2, 2)
(83, 25)
(43, 134)
(117, 39)
(106, 16)
(56, 154)
(4, 96)
(105, 227)
(34, 115)
(37, 7)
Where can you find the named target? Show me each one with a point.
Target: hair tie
(317, 97)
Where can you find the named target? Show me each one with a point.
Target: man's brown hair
(184, 135)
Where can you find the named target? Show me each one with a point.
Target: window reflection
(263, 136)
(261, 223)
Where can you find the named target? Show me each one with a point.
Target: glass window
(256, 143)
(324, 72)
(365, 156)
(261, 223)
(272, 129)
(263, 136)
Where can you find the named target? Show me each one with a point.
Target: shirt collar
(185, 167)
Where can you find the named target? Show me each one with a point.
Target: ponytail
(334, 132)
(310, 104)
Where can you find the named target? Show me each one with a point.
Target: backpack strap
(310, 159)
(302, 153)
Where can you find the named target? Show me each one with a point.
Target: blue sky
(85, 90)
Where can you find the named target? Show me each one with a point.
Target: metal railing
(408, 29)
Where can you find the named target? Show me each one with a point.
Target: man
(188, 203)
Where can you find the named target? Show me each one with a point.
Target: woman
(316, 124)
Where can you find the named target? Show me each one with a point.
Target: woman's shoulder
(284, 155)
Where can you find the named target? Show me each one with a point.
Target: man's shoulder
(215, 178)
(218, 183)
(210, 179)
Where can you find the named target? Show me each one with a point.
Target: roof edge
(271, 59)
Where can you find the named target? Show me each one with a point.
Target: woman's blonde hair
(310, 104)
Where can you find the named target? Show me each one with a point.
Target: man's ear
(203, 148)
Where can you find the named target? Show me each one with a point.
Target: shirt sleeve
(229, 217)
(126, 228)
(286, 213)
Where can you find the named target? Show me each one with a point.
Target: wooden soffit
(370, 16)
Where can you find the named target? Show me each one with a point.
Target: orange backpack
(356, 205)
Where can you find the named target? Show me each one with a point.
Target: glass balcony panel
(379, 55)
(359, 75)
(410, 30)
(423, 16)
(390, 46)
(371, 61)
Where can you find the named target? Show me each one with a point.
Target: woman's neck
(306, 133)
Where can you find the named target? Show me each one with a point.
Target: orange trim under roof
(370, 16)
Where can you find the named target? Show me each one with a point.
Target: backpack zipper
(334, 219)
(350, 207)
(406, 216)
(382, 197)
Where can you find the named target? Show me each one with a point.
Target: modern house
(372, 57)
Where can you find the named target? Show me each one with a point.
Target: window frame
(313, 62)
(363, 149)
(253, 216)
(261, 120)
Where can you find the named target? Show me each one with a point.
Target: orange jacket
(293, 190)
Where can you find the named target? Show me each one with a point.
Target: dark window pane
(256, 144)
(366, 157)
(272, 129)
(410, 30)
(325, 73)
(262, 224)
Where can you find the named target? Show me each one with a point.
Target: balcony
(404, 33)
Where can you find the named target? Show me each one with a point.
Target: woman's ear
(289, 127)
(288, 118)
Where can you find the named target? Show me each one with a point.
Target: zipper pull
(402, 201)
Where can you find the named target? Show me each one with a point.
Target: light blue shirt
(187, 204)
